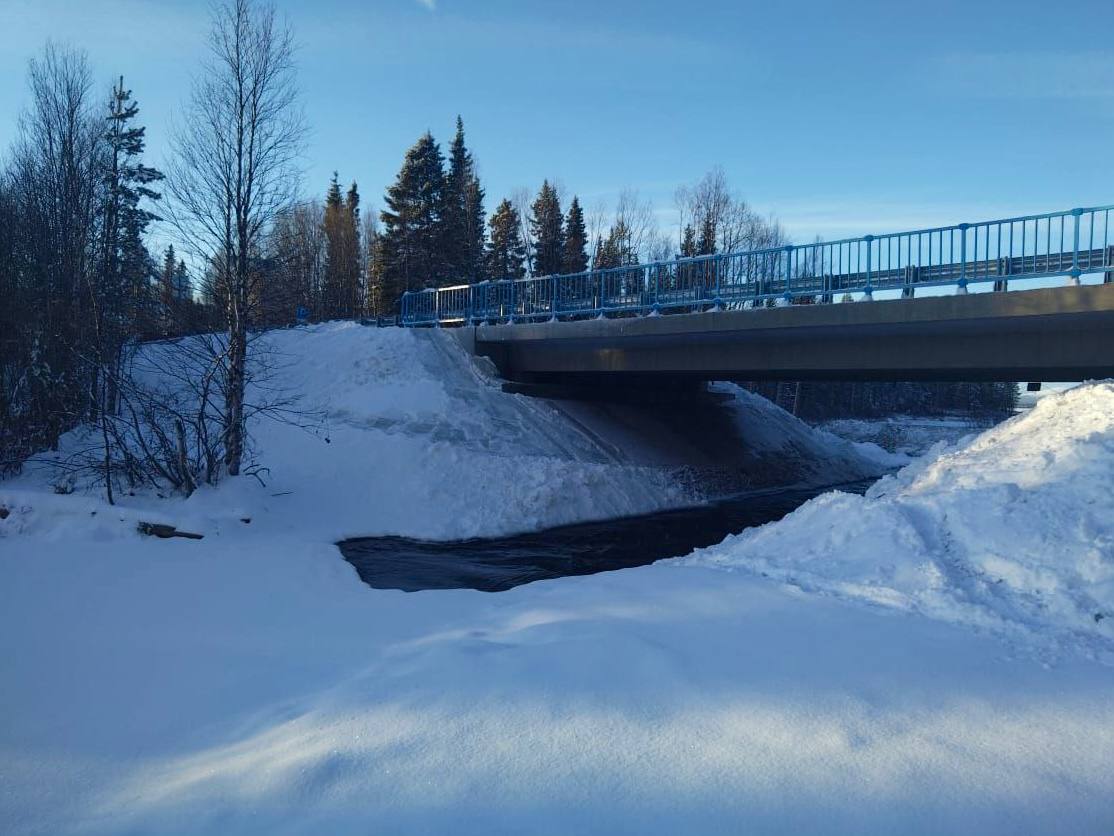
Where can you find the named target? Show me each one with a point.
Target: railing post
(553, 299)
(961, 285)
(788, 296)
(868, 291)
(514, 301)
(717, 304)
(1075, 271)
(656, 307)
(910, 280)
(599, 292)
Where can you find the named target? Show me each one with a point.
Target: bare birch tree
(235, 169)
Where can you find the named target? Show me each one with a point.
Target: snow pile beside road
(1011, 531)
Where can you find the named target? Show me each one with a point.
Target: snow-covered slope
(417, 439)
(1012, 530)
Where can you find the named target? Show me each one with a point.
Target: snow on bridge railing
(1070, 243)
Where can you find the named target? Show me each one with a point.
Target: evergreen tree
(545, 227)
(351, 300)
(707, 243)
(463, 214)
(334, 266)
(411, 255)
(123, 288)
(688, 242)
(183, 291)
(167, 296)
(506, 253)
(574, 254)
(166, 275)
(342, 252)
(617, 250)
(474, 266)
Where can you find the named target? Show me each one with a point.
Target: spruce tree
(334, 250)
(506, 253)
(412, 238)
(463, 214)
(123, 292)
(182, 285)
(545, 227)
(343, 297)
(352, 297)
(474, 267)
(574, 253)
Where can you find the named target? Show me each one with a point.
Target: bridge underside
(1050, 334)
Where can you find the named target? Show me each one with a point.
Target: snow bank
(414, 438)
(1011, 531)
(908, 435)
(408, 438)
(248, 683)
(772, 432)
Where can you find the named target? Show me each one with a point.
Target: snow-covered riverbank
(414, 438)
(249, 683)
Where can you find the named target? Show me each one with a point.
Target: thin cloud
(429, 4)
(1015, 75)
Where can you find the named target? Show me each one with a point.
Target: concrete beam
(1049, 334)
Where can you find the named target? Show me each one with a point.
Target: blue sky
(839, 118)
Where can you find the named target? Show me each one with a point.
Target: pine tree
(506, 253)
(545, 227)
(574, 253)
(411, 255)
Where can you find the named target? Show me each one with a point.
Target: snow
(248, 683)
(905, 435)
(411, 440)
(1010, 531)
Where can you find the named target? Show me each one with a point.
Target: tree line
(434, 232)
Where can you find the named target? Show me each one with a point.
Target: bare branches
(235, 171)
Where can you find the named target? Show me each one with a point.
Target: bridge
(783, 314)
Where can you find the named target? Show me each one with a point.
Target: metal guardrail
(1070, 243)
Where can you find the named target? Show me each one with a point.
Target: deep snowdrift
(1012, 531)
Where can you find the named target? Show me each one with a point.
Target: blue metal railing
(1070, 243)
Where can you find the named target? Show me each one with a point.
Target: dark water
(497, 564)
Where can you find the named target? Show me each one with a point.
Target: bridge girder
(1048, 334)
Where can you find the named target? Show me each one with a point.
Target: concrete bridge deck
(1064, 333)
